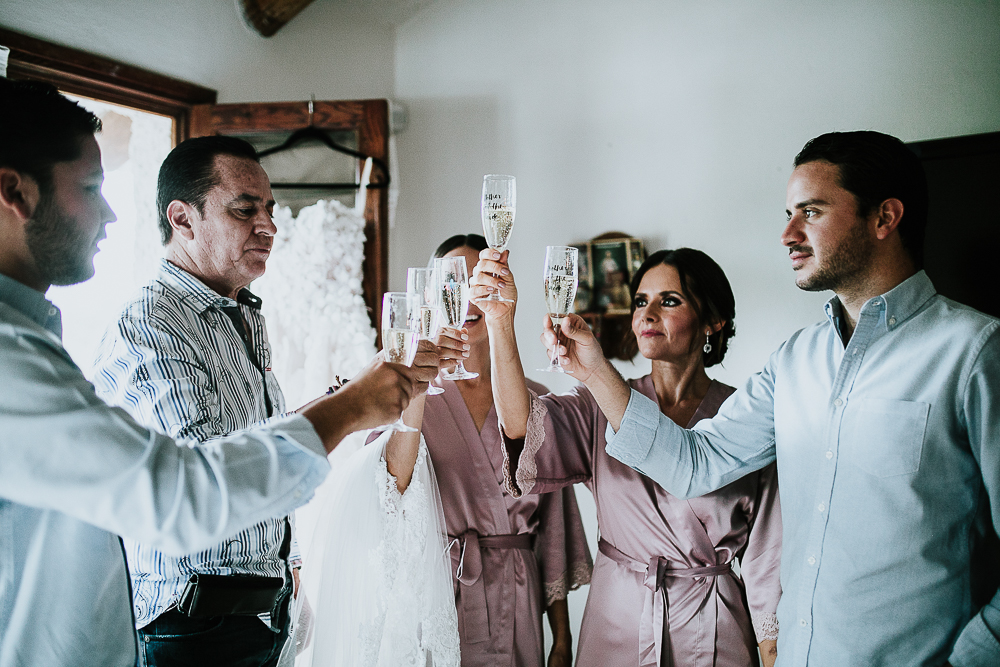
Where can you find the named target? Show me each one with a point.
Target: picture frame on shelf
(613, 262)
(585, 279)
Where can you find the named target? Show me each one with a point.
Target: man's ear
(19, 193)
(888, 215)
(182, 217)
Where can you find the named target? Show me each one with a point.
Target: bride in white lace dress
(376, 588)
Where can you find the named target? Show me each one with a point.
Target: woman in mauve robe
(512, 558)
(663, 591)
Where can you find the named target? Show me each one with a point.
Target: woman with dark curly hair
(664, 589)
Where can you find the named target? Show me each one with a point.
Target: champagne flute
(423, 283)
(400, 333)
(560, 279)
(453, 299)
(498, 206)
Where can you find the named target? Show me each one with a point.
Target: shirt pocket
(885, 437)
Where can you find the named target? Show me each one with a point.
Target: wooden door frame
(88, 75)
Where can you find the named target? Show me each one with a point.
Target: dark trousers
(174, 640)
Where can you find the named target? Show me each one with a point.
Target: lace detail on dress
(558, 590)
(527, 471)
(765, 626)
(412, 622)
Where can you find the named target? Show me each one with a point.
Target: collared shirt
(176, 361)
(888, 453)
(74, 472)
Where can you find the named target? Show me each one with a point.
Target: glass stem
(555, 350)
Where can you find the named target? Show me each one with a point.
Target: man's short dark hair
(40, 127)
(874, 167)
(188, 173)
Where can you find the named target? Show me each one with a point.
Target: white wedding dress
(376, 580)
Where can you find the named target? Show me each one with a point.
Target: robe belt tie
(656, 572)
(467, 563)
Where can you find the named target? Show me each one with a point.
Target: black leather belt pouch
(208, 595)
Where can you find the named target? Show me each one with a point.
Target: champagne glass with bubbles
(560, 279)
(400, 333)
(423, 283)
(453, 299)
(499, 203)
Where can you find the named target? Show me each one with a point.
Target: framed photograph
(613, 263)
(585, 273)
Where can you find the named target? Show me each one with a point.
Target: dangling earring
(708, 343)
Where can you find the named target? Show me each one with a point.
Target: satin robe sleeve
(558, 448)
(564, 559)
(760, 562)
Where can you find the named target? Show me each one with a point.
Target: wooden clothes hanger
(313, 133)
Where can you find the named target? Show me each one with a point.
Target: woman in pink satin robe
(512, 558)
(664, 589)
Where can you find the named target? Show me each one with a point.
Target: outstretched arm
(580, 352)
(510, 394)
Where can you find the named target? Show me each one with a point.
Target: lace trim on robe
(527, 471)
(765, 626)
(558, 590)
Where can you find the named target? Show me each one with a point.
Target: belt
(655, 573)
(467, 562)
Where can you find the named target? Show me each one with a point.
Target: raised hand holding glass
(560, 279)
(453, 299)
(498, 207)
(400, 333)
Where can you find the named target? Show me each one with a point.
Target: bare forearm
(562, 637)
(611, 392)
(768, 652)
(401, 450)
(510, 393)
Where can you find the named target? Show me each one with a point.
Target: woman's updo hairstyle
(705, 286)
(475, 241)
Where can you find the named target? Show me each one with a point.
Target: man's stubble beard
(59, 246)
(846, 265)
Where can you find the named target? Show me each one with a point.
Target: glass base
(460, 375)
(554, 369)
(434, 391)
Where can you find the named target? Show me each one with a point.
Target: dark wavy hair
(705, 286)
(475, 241)
(874, 167)
(40, 127)
(188, 174)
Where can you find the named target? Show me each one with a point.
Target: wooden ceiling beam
(268, 16)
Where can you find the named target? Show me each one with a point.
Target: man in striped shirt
(76, 473)
(189, 356)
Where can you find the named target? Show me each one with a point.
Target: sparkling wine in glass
(498, 206)
(423, 283)
(400, 336)
(453, 299)
(560, 280)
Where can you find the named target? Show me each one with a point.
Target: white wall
(327, 50)
(673, 120)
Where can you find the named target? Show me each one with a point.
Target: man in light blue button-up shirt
(75, 472)
(884, 420)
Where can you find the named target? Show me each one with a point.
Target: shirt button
(811, 560)
(821, 507)
(829, 455)
(52, 312)
(803, 622)
(892, 320)
(838, 402)
(855, 351)
(876, 302)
